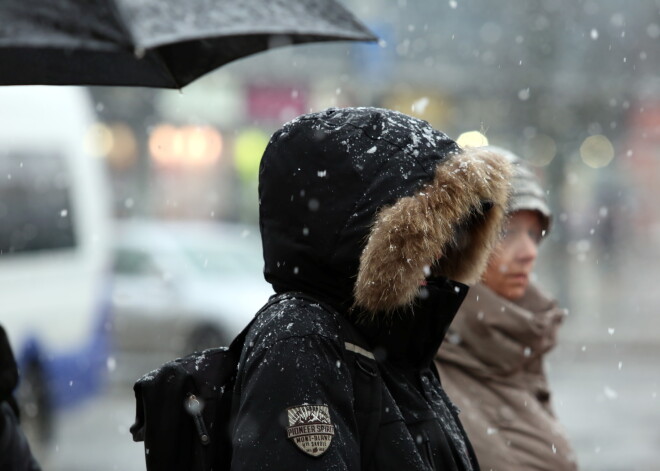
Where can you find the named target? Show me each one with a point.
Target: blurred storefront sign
(277, 103)
(642, 160)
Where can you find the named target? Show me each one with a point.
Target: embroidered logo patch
(310, 428)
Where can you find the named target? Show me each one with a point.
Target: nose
(527, 249)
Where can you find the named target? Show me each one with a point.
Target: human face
(512, 261)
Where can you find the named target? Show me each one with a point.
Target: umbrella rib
(153, 53)
(120, 21)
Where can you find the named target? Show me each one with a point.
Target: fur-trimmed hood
(359, 205)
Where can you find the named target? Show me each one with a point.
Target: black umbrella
(154, 43)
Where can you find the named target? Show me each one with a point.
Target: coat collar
(411, 336)
(494, 336)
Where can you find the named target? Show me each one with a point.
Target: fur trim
(443, 226)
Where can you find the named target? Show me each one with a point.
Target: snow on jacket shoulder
(293, 358)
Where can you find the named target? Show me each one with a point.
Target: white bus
(54, 252)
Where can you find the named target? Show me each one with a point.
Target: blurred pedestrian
(15, 454)
(491, 363)
(359, 208)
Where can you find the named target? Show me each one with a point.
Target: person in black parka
(15, 454)
(382, 220)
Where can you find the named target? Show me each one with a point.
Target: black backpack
(184, 409)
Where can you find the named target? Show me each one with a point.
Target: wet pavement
(95, 436)
(607, 399)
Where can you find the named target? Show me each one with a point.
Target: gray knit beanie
(526, 190)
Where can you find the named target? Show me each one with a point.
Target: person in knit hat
(491, 363)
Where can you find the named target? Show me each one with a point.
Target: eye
(536, 236)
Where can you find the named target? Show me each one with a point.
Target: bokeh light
(597, 151)
(472, 139)
(539, 150)
(248, 148)
(115, 142)
(192, 146)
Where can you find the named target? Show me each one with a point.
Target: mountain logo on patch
(310, 428)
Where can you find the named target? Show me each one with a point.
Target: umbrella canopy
(154, 43)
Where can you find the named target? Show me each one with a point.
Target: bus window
(35, 203)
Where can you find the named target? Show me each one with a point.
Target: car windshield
(225, 260)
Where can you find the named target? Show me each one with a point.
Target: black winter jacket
(15, 454)
(381, 217)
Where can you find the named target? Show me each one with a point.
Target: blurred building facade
(571, 86)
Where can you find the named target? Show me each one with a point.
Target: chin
(516, 293)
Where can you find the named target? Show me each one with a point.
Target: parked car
(179, 287)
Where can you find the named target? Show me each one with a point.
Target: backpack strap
(367, 389)
(239, 341)
(367, 382)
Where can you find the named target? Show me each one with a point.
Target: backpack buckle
(194, 407)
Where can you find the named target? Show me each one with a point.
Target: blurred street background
(572, 87)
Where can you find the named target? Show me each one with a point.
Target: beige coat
(491, 366)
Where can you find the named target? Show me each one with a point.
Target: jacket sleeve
(290, 373)
(15, 452)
